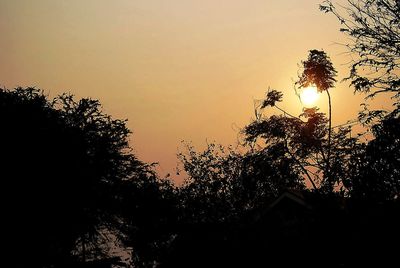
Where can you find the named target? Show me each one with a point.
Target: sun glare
(309, 96)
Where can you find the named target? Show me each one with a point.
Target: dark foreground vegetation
(299, 191)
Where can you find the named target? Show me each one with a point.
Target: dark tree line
(72, 189)
(68, 177)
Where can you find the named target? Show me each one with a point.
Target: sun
(309, 96)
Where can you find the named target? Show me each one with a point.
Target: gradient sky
(176, 69)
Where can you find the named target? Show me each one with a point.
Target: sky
(176, 69)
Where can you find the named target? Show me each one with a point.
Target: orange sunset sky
(176, 69)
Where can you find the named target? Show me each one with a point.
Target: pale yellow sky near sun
(176, 69)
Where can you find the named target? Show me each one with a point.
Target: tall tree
(304, 140)
(319, 71)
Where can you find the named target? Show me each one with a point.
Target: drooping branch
(374, 30)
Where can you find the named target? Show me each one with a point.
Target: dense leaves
(63, 163)
(272, 97)
(318, 71)
(376, 171)
(224, 184)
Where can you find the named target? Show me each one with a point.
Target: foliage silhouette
(151, 212)
(376, 165)
(232, 217)
(233, 213)
(224, 189)
(319, 71)
(224, 184)
(374, 30)
(305, 140)
(234, 208)
(63, 164)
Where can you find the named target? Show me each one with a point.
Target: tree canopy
(63, 164)
(317, 70)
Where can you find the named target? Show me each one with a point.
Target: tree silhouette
(319, 71)
(374, 30)
(311, 142)
(63, 163)
(374, 175)
(285, 153)
(304, 140)
(223, 184)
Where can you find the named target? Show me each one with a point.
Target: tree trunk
(328, 158)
